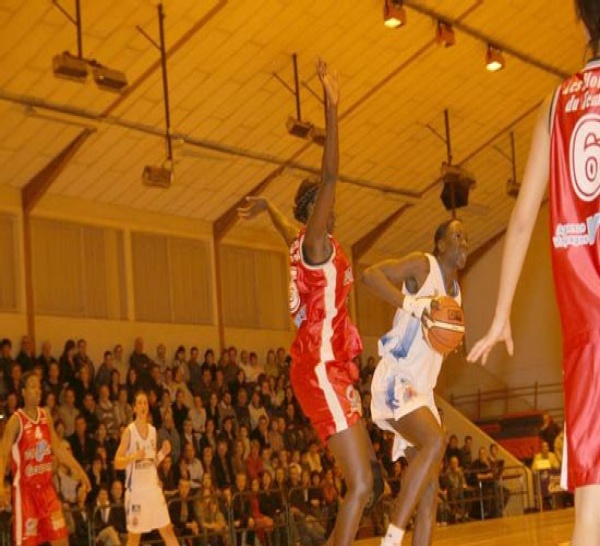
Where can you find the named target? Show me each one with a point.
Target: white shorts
(146, 510)
(394, 395)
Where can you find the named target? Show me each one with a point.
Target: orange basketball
(446, 327)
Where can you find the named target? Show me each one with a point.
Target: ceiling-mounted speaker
(457, 183)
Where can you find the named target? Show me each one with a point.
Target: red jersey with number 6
(575, 204)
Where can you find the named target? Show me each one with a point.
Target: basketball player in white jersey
(145, 505)
(402, 388)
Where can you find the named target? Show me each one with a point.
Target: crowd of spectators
(241, 446)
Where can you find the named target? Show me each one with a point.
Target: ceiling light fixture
(445, 34)
(394, 14)
(76, 67)
(494, 60)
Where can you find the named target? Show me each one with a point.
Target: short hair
(26, 377)
(107, 353)
(440, 233)
(6, 342)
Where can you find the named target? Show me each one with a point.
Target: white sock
(393, 536)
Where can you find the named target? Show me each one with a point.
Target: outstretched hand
(255, 205)
(497, 332)
(329, 80)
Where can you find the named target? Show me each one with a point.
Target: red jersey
(32, 452)
(318, 303)
(575, 204)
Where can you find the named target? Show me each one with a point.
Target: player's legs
(352, 451)
(587, 516)
(168, 535)
(133, 539)
(426, 513)
(51, 526)
(422, 430)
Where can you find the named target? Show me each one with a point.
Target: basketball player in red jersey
(323, 373)
(566, 150)
(30, 439)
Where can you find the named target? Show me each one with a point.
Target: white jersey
(409, 368)
(141, 474)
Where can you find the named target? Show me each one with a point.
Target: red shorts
(327, 395)
(581, 366)
(37, 515)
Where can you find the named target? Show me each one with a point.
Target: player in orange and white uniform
(323, 373)
(30, 441)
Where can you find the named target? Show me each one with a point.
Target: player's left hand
(499, 331)
(166, 448)
(329, 81)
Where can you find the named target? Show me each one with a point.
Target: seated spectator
(103, 375)
(209, 363)
(204, 390)
(314, 458)
(83, 385)
(116, 500)
(52, 382)
(187, 436)
(212, 411)
(161, 358)
(195, 369)
(549, 430)
(209, 439)
(184, 512)
(261, 432)
(197, 415)
(452, 449)
(481, 477)
(166, 475)
(88, 412)
(115, 385)
(180, 385)
(106, 412)
(180, 362)
(26, 356)
(119, 363)
(275, 437)
(223, 469)
(190, 468)
(256, 410)
(68, 368)
(214, 522)
(46, 358)
(238, 463)
(545, 459)
(226, 410)
(123, 410)
(83, 446)
(169, 432)
(241, 409)
(80, 519)
(254, 462)
(466, 457)
(242, 510)
(49, 402)
(263, 523)
(456, 486)
(106, 519)
(180, 410)
(140, 363)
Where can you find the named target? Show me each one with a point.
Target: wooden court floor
(545, 529)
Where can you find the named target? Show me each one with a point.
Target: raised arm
(518, 235)
(65, 457)
(286, 228)
(385, 278)
(317, 246)
(8, 439)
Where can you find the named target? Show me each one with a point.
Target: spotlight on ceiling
(494, 60)
(394, 15)
(445, 34)
(109, 79)
(70, 67)
(298, 127)
(158, 176)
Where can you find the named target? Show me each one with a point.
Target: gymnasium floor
(545, 529)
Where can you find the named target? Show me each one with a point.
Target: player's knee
(362, 486)
(437, 443)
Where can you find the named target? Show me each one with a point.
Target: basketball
(445, 328)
